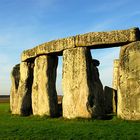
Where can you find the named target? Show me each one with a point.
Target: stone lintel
(112, 38)
(92, 40)
(54, 46)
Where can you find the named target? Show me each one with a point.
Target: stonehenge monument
(33, 88)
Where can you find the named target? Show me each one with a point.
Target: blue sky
(27, 23)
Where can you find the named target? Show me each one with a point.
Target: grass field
(33, 127)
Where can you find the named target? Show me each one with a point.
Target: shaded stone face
(110, 98)
(25, 88)
(95, 62)
(97, 97)
(129, 82)
(90, 40)
(15, 77)
(44, 96)
(81, 92)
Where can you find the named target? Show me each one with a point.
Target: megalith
(81, 92)
(110, 100)
(115, 83)
(25, 88)
(44, 96)
(115, 74)
(15, 77)
(96, 99)
(129, 82)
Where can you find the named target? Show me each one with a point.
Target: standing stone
(25, 88)
(115, 74)
(110, 100)
(81, 92)
(129, 82)
(15, 77)
(115, 84)
(44, 96)
(97, 97)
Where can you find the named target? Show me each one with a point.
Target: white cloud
(134, 13)
(107, 6)
(104, 25)
(112, 19)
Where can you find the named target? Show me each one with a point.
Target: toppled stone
(129, 82)
(81, 92)
(91, 40)
(15, 77)
(44, 96)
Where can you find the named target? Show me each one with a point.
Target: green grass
(33, 127)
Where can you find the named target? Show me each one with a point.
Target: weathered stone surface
(81, 91)
(115, 74)
(110, 100)
(55, 46)
(113, 38)
(15, 77)
(129, 82)
(93, 39)
(44, 96)
(115, 84)
(115, 101)
(25, 88)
